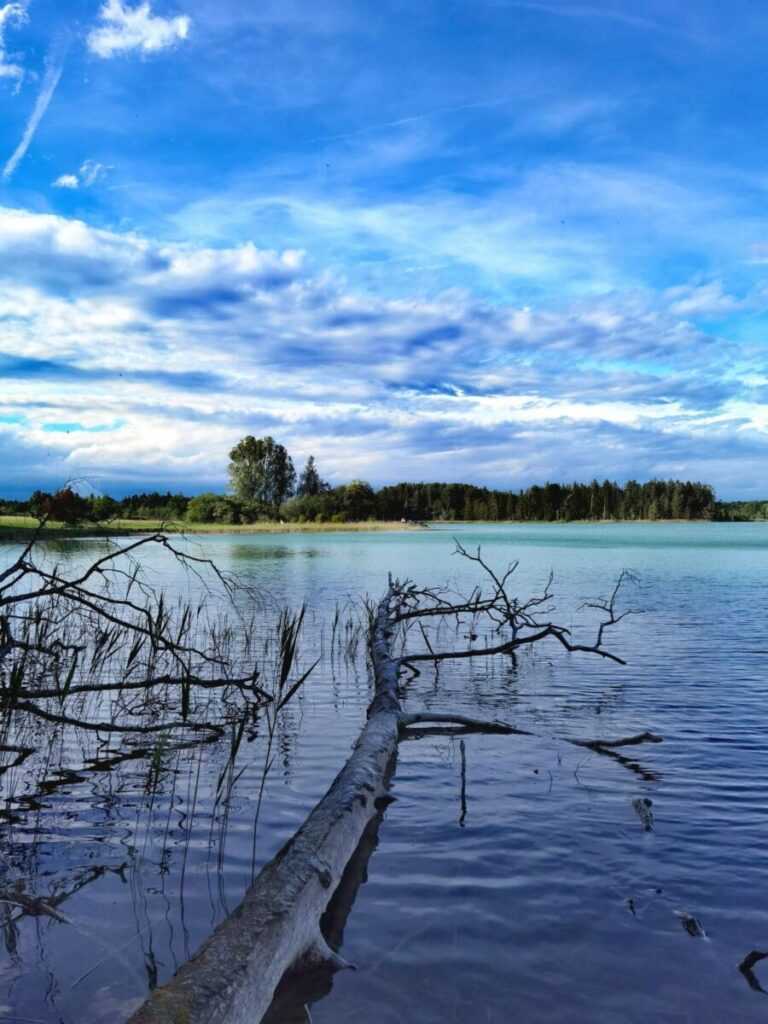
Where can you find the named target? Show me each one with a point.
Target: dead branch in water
(516, 623)
(627, 741)
(277, 927)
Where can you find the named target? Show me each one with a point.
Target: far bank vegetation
(265, 487)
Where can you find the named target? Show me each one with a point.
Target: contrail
(54, 65)
(637, 21)
(425, 116)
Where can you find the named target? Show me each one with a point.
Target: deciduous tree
(261, 470)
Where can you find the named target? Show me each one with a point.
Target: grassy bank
(23, 526)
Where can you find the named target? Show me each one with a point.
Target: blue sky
(502, 241)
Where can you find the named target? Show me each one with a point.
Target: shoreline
(23, 527)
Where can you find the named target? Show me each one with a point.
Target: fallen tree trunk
(306, 984)
(232, 978)
(235, 973)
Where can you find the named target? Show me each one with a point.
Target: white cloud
(88, 175)
(128, 28)
(67, 181)
(12, 13)
(91, 172)
(694, 300)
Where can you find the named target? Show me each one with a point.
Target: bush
(213, 508)
(252, 511)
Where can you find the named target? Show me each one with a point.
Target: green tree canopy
(212, 508)
(261, 470)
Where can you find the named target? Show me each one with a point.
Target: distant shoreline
(23, 527)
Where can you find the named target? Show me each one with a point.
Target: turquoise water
(502, 897)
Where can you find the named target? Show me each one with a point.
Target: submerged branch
(473, 724)
(242, 683)
(81, 723)
(627, 741)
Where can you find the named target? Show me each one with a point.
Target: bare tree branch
(517, 623)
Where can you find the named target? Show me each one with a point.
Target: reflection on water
(243, 553)
(512, 877)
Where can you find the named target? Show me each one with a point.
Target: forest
(417, 502)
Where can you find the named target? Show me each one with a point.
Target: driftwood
(277, 927)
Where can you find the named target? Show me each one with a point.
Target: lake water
(512, 879)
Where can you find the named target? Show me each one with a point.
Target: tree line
(262, 472)
(553, 502)
(264, 485)
(417, 502)
(414, 502)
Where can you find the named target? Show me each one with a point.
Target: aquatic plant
(99, 647)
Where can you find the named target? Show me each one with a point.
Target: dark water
(501, 884)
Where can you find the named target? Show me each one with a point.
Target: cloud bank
(130, 360)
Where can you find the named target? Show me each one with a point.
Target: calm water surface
(500, 886)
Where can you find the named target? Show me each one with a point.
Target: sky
(497, 241)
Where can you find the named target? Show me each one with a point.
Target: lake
(511, 878)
